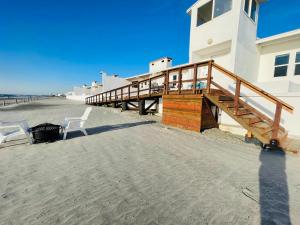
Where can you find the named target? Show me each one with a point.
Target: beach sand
(134, 170)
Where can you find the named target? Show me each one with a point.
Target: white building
(81, 93)
(226, 31)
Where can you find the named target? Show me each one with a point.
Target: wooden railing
(5, 101)
(197, 85)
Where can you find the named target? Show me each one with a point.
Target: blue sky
(50, 46)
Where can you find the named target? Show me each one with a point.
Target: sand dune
(133, 170)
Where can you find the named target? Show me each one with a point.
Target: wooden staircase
(256, 122)
(259, 126)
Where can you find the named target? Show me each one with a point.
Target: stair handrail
(254, 88)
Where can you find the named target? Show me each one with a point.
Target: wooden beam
(276, 124)
(209, 77)
(195, 79)
(180, 80)
(152, 104)
(237, 96)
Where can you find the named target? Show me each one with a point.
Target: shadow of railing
(107, 128)
(273, 187)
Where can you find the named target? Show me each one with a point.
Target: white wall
(246, 55)
(160, 64)
(267, 61)
(113, 82)
(215, 32)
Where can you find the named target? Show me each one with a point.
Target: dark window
(281, 65)
(221, 7)
(246, 7)
(204, 13)
(297, 69)
(282, 60)
(297, 66)
(175, 77)
(253, 10)
(298, 57)
(280, 71)
(250, 8)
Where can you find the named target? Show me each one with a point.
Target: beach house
(226, 31)
(264, 76)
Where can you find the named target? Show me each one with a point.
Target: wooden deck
(209, 90)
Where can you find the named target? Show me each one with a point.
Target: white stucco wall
(245, 53)
(160, 64)
(267, 61)
(215, 32)
(113, 82)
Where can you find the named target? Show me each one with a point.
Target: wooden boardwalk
(219, 86)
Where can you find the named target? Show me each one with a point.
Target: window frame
(249, 13)
(296, 63)
(212, 12)
(211, 18)
(282, 65)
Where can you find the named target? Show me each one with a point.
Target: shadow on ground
(274, 194)
(107, 128)
(26, 107)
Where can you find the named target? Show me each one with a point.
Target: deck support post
(124, 106)
(114, 104)
(142, 104)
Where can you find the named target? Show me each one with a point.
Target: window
(251, 8)
(297, 66)
(281, 65)
(246, 7)
(212, 9)
(221, 7)
(204, 13)
(174, 79)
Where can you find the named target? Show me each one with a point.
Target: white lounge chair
(76, 123)
(16, 129)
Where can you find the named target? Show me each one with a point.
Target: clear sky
(50, 46)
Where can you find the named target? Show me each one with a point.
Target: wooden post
(128, 91)
(179, 80)
(102, 100)
(150, 86)
(122, 94)
(138, 91)
(209, 76)
(167, 82)
(124, 106)
(142, 107)
(195, 79)
(276, 123)
(237, 96)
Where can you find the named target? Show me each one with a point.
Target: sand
(134, 170)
